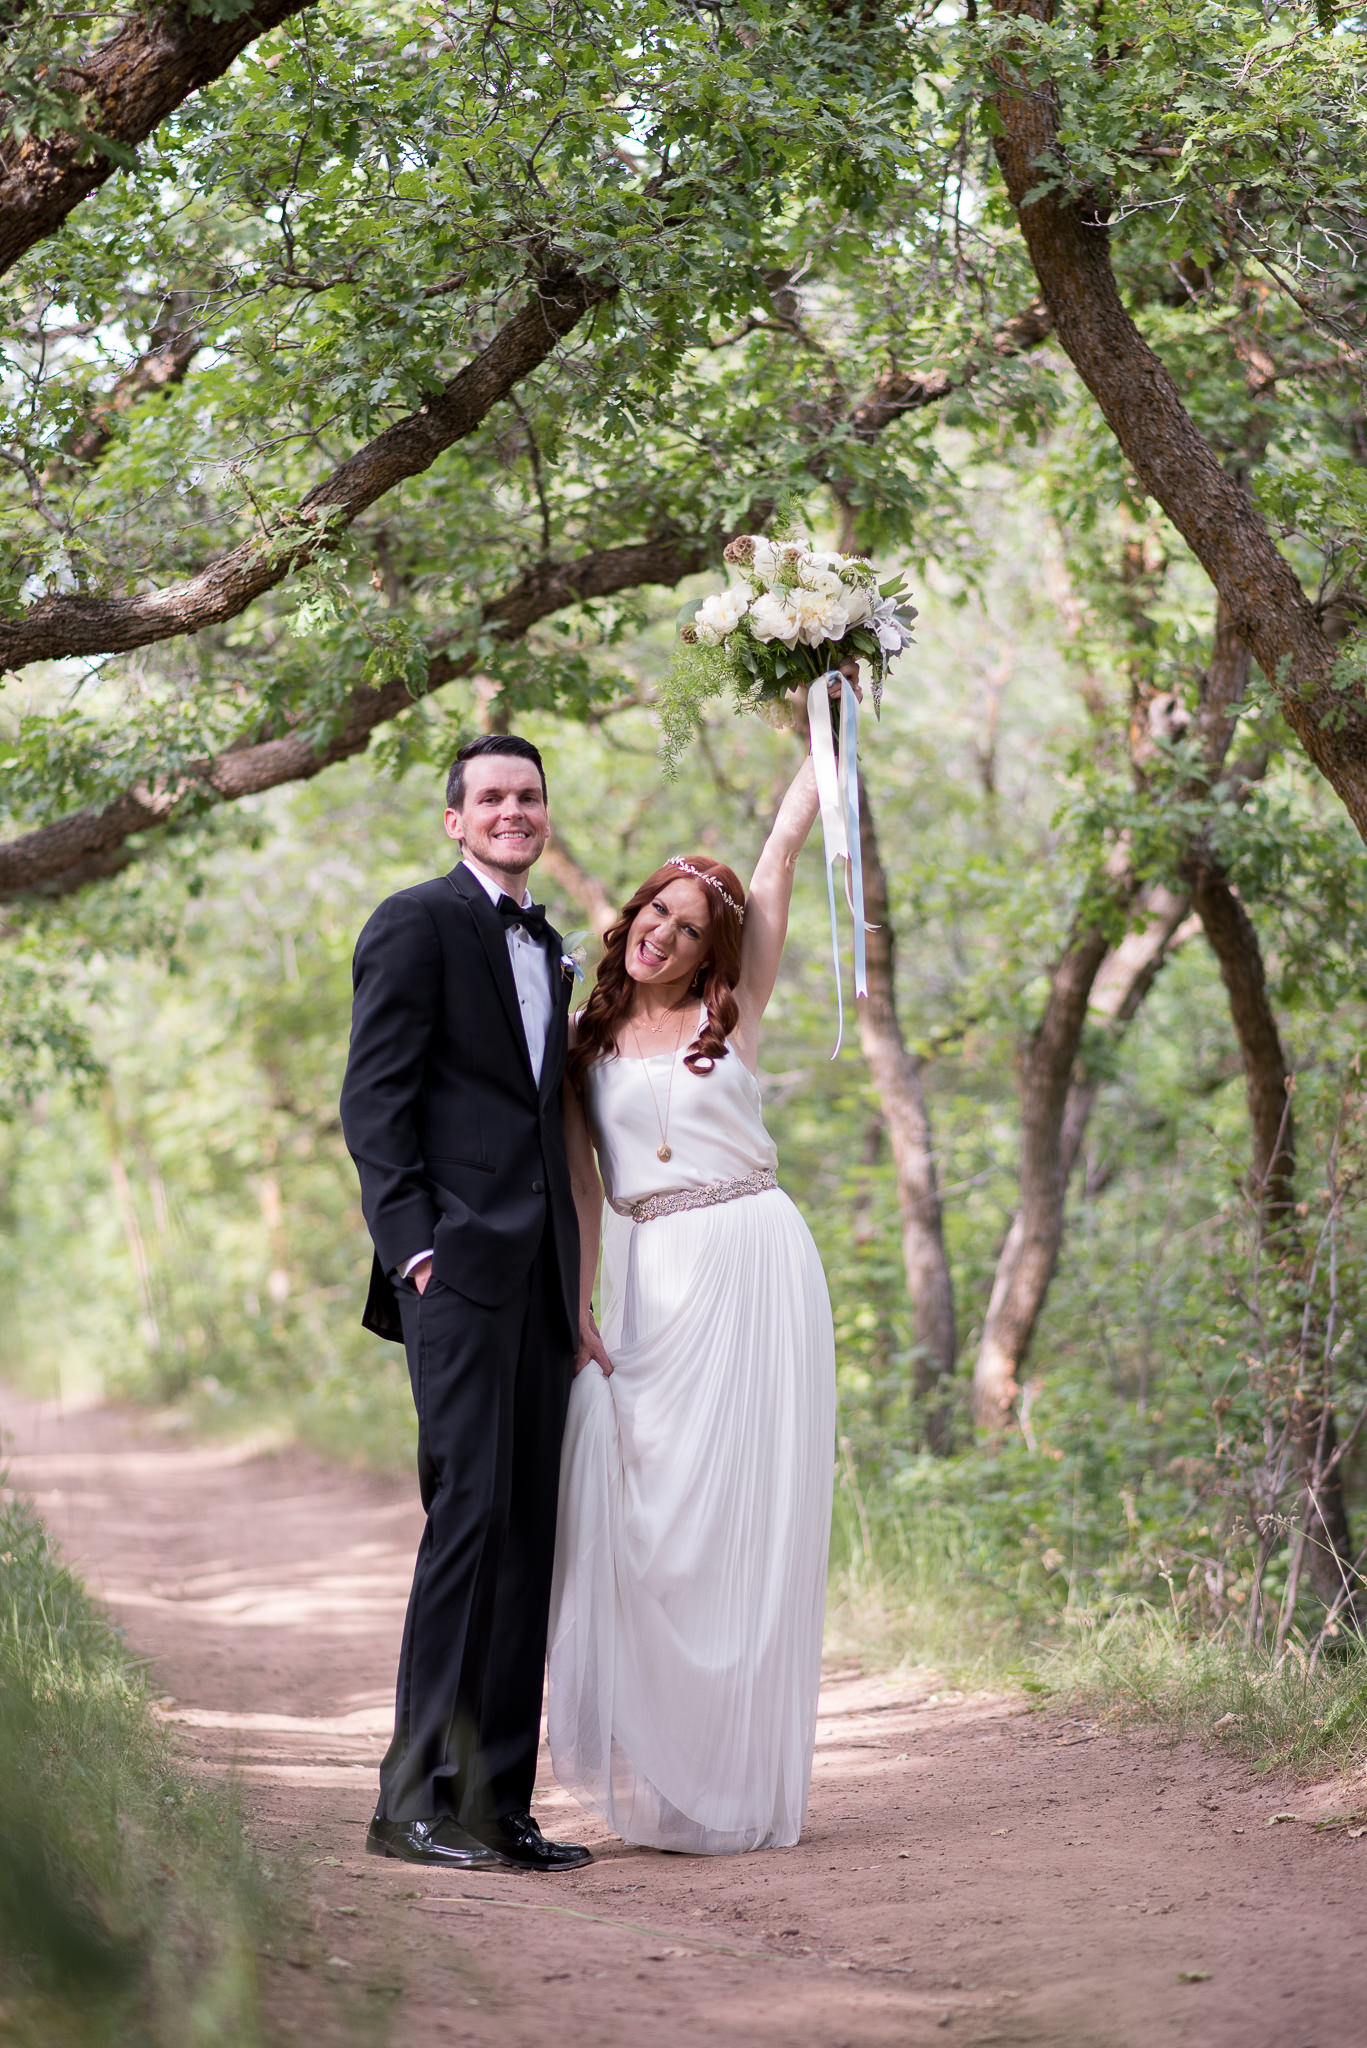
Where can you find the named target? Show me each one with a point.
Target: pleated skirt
(694, 1526)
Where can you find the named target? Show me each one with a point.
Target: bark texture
(1234, 942)
(130, 84)
(1036, 1234)
(78, 624)
(897, 1076)
(1327, 1549)
(1069, 246)
(1126, 974)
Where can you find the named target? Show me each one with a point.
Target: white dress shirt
(532, 975)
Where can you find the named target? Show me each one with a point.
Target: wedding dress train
(695, 1490)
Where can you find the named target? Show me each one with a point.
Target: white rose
(720, 614)
(772, 619)
(815, 577)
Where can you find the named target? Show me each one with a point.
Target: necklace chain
(663, 1150)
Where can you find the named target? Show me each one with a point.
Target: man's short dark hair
(474, 750)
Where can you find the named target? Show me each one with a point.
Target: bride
(695, 1487)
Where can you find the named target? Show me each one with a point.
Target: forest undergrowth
(911, 1592)
(132, 1907)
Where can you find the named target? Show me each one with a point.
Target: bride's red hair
(606, 1009)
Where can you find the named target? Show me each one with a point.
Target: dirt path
(970, 1873)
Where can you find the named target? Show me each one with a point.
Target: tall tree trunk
(1069, 246)
(1052, 1129)
(1126, 974)
(1123, 981)
(897, 1077)
(1036, 1234)
(1234, 942)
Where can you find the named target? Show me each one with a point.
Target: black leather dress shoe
(518, 1840)
(440, 1842)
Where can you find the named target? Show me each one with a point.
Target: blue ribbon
(837, 787)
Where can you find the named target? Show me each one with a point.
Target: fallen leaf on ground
(1001, 1831)
(667, 1955)
(1193, 1976)
(1271, 1822)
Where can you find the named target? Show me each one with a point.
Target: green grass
(920, 1584)
(131, 1905)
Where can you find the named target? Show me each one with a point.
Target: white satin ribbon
(837, 788)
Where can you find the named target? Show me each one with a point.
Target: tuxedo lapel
(557, 1031)
(493, 936)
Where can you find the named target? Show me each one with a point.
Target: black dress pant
(491, 1388)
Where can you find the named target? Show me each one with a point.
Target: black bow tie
(531, 916)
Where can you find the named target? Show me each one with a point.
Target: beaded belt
(703, 1198)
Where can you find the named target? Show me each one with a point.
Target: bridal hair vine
(677, 860)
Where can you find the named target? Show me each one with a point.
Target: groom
(451, 1110)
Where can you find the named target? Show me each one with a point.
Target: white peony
(820, 616)
(719, 615)
(772, 619)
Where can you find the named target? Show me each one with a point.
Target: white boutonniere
(572, 959)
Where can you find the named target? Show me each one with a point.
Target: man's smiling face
(503, 822)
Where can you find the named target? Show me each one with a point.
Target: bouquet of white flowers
(797, 615)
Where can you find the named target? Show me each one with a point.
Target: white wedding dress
(695, 1484)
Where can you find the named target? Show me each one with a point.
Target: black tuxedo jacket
(456, 1145)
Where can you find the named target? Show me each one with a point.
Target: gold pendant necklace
(663, 1150)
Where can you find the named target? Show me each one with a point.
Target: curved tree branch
(89, 845)
(1069, 246)
(130, 83)
(77, 624)
(61, 857)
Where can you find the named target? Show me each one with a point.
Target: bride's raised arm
(770, 896)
